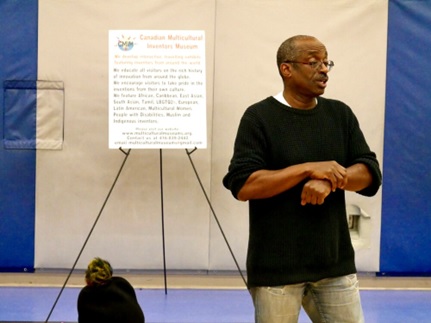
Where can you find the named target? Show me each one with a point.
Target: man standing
(295, 155)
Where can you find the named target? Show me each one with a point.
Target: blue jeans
(328, 300)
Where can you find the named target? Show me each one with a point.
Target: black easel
(163, 224)
(214, 214)
(89, 234)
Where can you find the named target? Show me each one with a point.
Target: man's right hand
(330, 171)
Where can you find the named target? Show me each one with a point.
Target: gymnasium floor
(198, 298)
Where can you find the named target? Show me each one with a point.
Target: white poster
(157, 96)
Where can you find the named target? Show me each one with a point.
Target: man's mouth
(322, 81)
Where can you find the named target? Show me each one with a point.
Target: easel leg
(163, 222)
(215, 216)
(91, 231)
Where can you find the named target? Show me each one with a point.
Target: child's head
(99, 271)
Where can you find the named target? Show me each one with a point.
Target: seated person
(106, 298)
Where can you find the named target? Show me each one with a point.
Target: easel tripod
(127, 153)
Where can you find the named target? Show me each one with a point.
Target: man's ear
(285, 70)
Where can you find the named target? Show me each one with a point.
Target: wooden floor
(192, 280)
(197, 297)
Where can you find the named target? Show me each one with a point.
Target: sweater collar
(280, 98)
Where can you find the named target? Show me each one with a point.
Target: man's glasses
(316, 65)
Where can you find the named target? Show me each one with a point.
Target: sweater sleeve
(360, 152)
(84, 305)
(248, 155)
(124, 285)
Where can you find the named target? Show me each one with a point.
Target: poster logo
(125, 43)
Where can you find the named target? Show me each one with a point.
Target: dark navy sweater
(290, 243)
(113, 302)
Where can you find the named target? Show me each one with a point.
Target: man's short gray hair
(288, 50)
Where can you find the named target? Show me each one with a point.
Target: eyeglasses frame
(316, 65)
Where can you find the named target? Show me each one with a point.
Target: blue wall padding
(406, 210)
(20, 105)
(406, 214)
(18, 56)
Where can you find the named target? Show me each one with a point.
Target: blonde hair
(99, 271)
